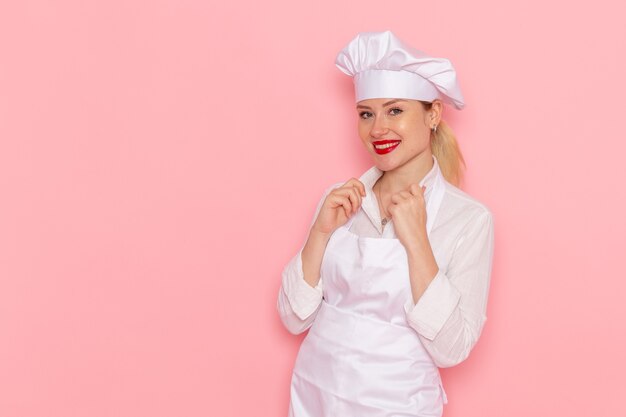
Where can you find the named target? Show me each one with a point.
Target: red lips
(382, 147)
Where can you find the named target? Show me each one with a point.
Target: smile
(385, 146)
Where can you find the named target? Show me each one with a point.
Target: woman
(393, 278)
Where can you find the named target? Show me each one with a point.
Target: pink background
(160, 162)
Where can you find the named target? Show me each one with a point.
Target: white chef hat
(384, 67)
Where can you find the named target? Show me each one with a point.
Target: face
(396, 132)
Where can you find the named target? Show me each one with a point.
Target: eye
(395, 111)
(365, 115)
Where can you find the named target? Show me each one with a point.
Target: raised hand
(408, 212)
(340, 204)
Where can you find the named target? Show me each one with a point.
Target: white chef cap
(384, 67)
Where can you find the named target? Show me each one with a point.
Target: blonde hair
(444, 146)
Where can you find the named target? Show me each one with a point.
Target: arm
(451, 311)
(301, 293)
(298, 301)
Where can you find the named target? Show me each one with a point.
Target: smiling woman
(384, 125)
(392, 281)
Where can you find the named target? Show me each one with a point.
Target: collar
(370, 202)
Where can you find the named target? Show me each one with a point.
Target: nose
(379, 128)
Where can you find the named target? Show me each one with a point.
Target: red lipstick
(382, 147)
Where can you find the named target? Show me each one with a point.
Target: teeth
(386, 145)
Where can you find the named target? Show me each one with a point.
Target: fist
(408, 212)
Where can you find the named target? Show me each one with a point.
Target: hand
(408, 212)
(340, 204)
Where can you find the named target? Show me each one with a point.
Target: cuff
(303, 298)
(434, 307)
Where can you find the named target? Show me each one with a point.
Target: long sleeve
(451, 313)
(298, 302)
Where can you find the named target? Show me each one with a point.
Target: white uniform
(362, 357)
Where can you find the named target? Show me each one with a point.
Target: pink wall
(160, 162)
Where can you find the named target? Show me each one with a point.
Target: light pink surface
(160, 162)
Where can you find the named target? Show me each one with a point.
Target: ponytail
(444, 146)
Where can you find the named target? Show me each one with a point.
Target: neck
(412, 172)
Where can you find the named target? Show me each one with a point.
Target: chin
(386, 165)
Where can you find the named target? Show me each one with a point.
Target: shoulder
(335, 185)
(459, 204)
(367, 178)
(332, 187)
(326, 192)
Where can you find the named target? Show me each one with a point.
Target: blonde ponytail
(444, 146)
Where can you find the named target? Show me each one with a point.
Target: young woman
(392, 281)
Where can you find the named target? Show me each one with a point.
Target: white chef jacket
(450, 314)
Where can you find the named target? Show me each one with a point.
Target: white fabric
(360, 357)
(450, 315)
(396, 84)
(382, 66)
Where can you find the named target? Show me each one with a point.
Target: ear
(434, 114)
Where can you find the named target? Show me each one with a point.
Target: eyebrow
(360, 106)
